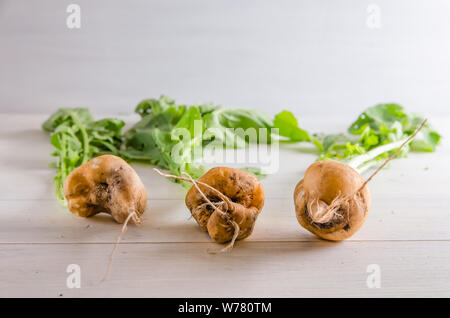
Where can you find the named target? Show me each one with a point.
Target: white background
(313, 57)
(317, 58)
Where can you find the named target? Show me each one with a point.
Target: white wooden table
(407, 234)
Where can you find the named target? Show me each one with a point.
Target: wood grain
(168, 221)
(406, 234)
(291, 269)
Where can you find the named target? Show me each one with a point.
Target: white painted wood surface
(407, 233)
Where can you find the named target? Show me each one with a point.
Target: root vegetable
(106, 184)
(225, 202)
(332, 200)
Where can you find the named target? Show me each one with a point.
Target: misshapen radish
(225, 202)
(106, 184)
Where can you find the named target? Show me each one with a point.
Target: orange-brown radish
(332, 200)
(225, 202)
(323, 183)
(106, 184)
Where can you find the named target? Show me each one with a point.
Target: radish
(225, 202)
(106, 184)
(333, 200)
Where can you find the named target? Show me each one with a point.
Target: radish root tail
(132, 216)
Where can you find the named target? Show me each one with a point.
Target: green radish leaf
(256, 171)
(76, 138)
(220, 120)
(288, 127)
(383, 125)
(159, 139)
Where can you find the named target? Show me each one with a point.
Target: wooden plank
(300, 269)
(418, 175)
(399, 218)
(406, 234)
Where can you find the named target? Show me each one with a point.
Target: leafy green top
(160, 139)
(170, 136)
(381, 125)
(77, 138)
(288, 127)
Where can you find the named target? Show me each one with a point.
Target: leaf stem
(84, 135)
(372, 154)
(366, 166)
